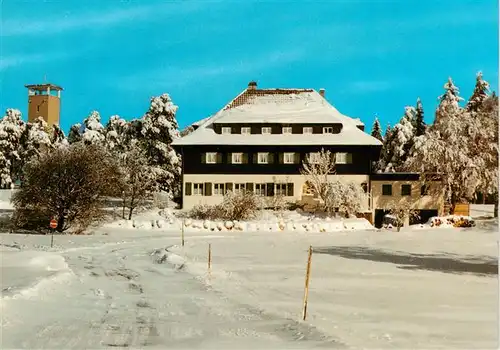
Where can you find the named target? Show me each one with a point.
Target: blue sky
(372, 57)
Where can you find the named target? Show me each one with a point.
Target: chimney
(252, 85)
(322, 92)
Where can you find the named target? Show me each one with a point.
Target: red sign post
(53, 226)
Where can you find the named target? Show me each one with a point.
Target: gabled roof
(283, 106)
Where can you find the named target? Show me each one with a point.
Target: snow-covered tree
(479, 95)
(58, 138)
(346, 196)
(35, 140)
(155, 133)
(448, 102)
(419, 123)
(137, 180)
(93, 132)
(399, 144)
(483, 137)
(334, 194)
(115, 133)
(386, 153)
(75, 133)
(377, 130)
(316, 172)
(11, 130)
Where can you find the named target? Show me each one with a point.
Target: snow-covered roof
(283, 106)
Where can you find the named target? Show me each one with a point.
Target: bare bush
(205, 212)
(400, 211)
(347, 197)
(68, 184)
(234, 206)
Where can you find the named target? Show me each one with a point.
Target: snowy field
(138, 288)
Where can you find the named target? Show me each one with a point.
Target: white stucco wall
(297, 180)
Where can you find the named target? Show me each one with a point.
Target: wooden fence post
(306, 288)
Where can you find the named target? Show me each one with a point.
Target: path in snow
(122, 296)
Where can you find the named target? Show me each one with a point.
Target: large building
(259, 141)
(44, 100)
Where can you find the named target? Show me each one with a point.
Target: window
(289, 158)
(266, 130)
(424, 190)
(211, 158)
(280, 190)
(307, 130)
(239, 188)
(406, 190)
(38, 108)
(260, 189)
(314, 157)
(343, 158)
(245, 130)
(387, 190)
(263, 158)
(218, 189)
(226, 130)
(236, 158)
(327, 130)
(287, 130)
(198, 189)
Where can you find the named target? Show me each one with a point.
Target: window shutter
(244, 158)
(270, 158)
(297, 158)
(249, 186)
(289, 189)
(229, 158)
(203, 157)
(229, 186)
(188, 189)
(270, 189)
(349, 158)
(208, 189)
(281, 157)
(219, 158)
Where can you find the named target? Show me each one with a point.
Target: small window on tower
(38, 108)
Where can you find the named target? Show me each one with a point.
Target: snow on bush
(234, 206)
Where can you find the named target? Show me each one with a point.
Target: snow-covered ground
(138, 288)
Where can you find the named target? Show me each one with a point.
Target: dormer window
(226, 130)
(307, 130)
(245, 130)
(327, 130)
(287, 130)
(266, 130)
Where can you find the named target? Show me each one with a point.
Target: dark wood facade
(276, 128)
(193, 159)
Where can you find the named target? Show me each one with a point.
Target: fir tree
(376, 130)
(75, 133)
(35, 140)
(419, 123)
(479, 94)
(448, 102)
(116, 134)
(11, 130)
(155, 133)
(386, 153)
(401, 141)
